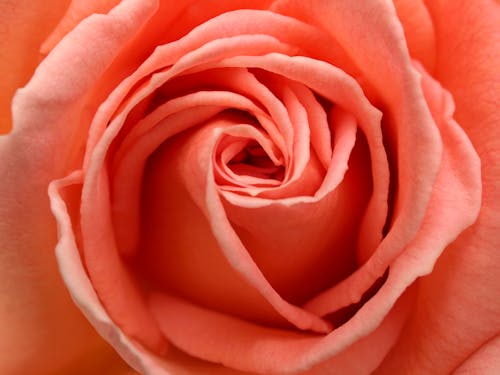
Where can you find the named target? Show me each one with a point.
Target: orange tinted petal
(485, 360)
(23, 27)
(76, 12)
(459, 304)
(36, 315)
(419, 31)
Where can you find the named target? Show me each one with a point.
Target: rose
(424, 219)
(38, 177)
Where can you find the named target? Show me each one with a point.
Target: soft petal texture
(463, 290)
(419, 31)
(238, 344)
(100, 359)
(384, 61)
(431, 241)
(95, 27)
(84, 296)
(484, 361)
(418, 233)
(36, 315)
(22, 30)
(76, 12)
(111, 298)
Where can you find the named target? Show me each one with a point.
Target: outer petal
(35, 313)
(459, 303)
(419, 31)
(77, 11)
(22, 30)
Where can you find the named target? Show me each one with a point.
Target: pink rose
(272, 187)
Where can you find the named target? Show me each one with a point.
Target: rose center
(253, 161)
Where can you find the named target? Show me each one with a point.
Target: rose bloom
(234, 187)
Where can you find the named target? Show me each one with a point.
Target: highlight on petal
(75, 13)
(22, 31)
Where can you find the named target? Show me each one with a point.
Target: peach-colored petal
(168, 119)
(192, 162)
(83, 294)
(79, 286)
(75, 13)
(384, 59)
(36, 315)
(467, 61)
(245, 346)
(23, 27)
(463, 289)
(107, 270)
(419, 31)
(197, 12)
(300, 263)
(457, 181)
(41, 113)
(242, 22)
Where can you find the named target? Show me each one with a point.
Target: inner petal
(245, 158)
(183, 256)
(251, 160)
